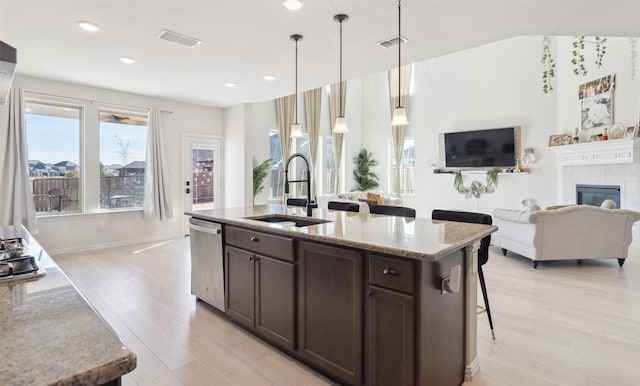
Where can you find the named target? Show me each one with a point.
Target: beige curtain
(398, 132)
(338, 138)
(17, 206)
(312, 106)
(284, 115)
(157, 193)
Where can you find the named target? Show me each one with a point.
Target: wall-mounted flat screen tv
(480, 149)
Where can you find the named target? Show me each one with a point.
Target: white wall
(496, 85)
(617, 60)
(492, 86)
(237, 183)
(80, 231)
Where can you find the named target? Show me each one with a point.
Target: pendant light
(399, 113)
(341, 122)
(296, 129)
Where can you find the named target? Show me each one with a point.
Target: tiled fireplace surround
(613, 162)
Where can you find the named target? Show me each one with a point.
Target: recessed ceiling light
(127, 60)
(269, 78)
(88, 26)
(230, 84)
(293, 4)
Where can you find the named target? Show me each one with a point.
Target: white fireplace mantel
(615, 151)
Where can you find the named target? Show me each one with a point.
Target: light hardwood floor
(562, 324)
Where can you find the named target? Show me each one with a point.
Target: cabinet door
(390, 338)
(275, 300)
(239, 283)
(330, 309)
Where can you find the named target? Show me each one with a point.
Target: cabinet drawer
(391, 273)
(264, 243)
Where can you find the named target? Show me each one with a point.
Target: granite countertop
(50, 334)
(418, 238)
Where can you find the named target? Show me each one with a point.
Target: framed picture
(559, 139)
(596, 112)
(631, 132)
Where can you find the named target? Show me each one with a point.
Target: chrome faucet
(310, 206)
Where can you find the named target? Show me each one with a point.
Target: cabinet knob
(371, 292)
(390, 271)
(251, 257)
(255, 239)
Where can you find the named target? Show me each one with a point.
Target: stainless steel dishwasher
(207, 262)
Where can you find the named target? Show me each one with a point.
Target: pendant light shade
(341, 122)
(399, 117)
(296, 129)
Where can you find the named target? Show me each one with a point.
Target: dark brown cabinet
(275, 300)
(360, 317)
(240, 290)
(260, 292)
(390, 316)
(330, 309)
(390, 337)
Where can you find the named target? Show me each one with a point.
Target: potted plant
(260, 172)
(362, 174)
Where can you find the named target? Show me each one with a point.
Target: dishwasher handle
(211, 230)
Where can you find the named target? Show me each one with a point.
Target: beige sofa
(571, 232)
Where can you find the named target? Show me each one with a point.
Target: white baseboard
(123, 243)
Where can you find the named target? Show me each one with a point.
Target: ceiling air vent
(391, 42)
(181, 39)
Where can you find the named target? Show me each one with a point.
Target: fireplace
(595, 194)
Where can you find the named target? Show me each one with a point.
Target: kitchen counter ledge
(418, 238)
(51, 335)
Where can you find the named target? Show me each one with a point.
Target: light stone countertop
(50, 334)
(418, 238)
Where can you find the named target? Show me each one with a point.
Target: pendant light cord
(399, 47)
(296, 94)
(341, 112)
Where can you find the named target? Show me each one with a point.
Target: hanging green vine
(601, 49)
(548, 64)
(634, 56)
(578, 56)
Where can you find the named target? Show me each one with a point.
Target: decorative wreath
(476, 189)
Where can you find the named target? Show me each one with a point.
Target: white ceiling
(244, 40)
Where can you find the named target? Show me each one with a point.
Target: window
(277, 168)
(329, 169)
(53, 138)
(406, 167)
(300, 167)
(123, 139)
(297, 172)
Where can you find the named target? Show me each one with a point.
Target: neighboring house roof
(134, 165)
(67, 164)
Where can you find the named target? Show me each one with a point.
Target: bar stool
(346, 206)
(483, 251)
(389, 210)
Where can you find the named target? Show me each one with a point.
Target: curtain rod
(94, 102)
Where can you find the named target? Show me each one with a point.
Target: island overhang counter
(393, 314)
(51, 335)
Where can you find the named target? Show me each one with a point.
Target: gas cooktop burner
(13, 264)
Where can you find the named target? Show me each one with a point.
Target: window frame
(55, 102)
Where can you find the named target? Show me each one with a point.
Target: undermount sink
(288, 220)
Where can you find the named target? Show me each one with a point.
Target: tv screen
(480, 148)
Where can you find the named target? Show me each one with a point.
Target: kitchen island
(50, 334)
(365, 299)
